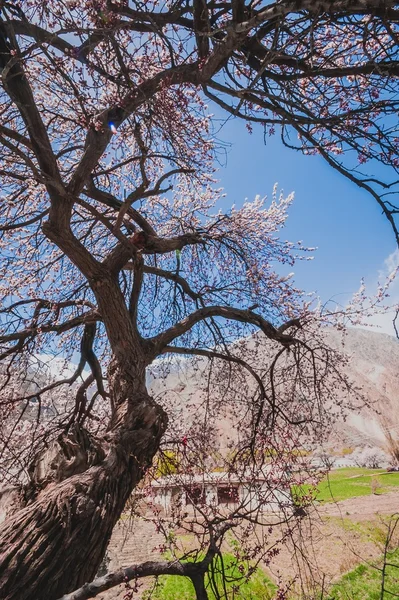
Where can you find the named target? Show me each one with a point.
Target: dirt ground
(363, 507)
(334, 538)
(331, 540)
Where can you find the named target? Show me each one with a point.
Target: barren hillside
(373, 366)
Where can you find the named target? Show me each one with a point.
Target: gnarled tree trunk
(56, 542)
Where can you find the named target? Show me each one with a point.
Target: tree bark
(145, 569)
(56, 542)
(199, 586)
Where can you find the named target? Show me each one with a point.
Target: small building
(265, 492)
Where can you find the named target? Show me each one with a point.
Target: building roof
(273, 477)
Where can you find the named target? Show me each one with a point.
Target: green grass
(364, 582)
(258, 587)
(342, 484)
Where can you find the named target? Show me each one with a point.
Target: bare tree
(111, 245)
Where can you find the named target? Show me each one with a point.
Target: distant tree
(371, 458)
(112, 246)
(325, 458)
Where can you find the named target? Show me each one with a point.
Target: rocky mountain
(373, 366)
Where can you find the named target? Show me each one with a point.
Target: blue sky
(345, 223)
(354, 240)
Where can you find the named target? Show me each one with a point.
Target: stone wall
(134, 540)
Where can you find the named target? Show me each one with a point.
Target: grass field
(259, 587)
(361, 583)
(341, 484)
(364, 582)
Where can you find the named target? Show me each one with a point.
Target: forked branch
(162, 340)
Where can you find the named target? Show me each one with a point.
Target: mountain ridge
(373, 366)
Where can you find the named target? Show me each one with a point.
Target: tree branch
(110, 200)
(120, 255)
(282, 9)
(194, 570)
(97, 140)
(30, 332)
(160, 341)
(17, 86)
(221, 356)
(138, 268)
(146, 569)
(183, 283)
(141, 192)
